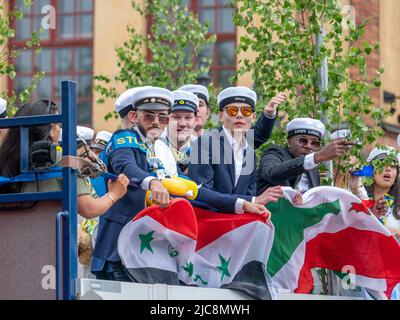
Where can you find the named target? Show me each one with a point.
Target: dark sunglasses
(304, 142)
(150, 117)
(232, 111)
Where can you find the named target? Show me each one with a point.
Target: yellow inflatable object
(178, 187)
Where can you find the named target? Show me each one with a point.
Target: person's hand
(333, 150)
(159, 194)
(354, 183)
(256, 208)
(269, 195)
(271, 107)
(119, 187)
(298, 199)
(380, 208)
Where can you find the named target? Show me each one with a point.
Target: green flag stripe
(289, 223)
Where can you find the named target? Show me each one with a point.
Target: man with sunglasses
(3, 115)
(145, 113)
(223, 160)
(297, 164)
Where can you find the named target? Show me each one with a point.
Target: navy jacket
(132, 162)
(212, 166)
(279, 167)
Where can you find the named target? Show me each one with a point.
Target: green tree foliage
(282, 34)
(175, 41)
(8, 53)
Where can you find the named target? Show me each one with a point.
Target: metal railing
(66, 251)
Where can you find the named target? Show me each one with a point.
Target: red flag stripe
(178, 216)
(372, 254)
(195, 223)
(221, 223)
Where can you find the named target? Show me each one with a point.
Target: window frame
(54, 42)
(195, 7)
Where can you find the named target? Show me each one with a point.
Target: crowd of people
(222, 161)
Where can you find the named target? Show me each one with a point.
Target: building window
(219, 14)
(67, 51)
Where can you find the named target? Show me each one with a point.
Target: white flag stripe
(288, 276)
(235, 245)
(129, 245)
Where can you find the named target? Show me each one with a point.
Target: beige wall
(390, 51)
(3, 79)
(110, 21)
(244, 80)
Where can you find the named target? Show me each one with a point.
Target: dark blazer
(212, 166)
(133, 163)
(279, 167)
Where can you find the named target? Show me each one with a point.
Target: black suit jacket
(212, 166)
(279, 167)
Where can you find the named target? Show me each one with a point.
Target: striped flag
(332, 229)
(191, 246)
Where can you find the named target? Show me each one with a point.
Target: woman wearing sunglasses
(296, 165)
(223, 160)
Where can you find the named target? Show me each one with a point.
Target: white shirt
(309, 164)
(238, 156)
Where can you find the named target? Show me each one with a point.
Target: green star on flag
(224, 267)
(188, 268)
(145, 241)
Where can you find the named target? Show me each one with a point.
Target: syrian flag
(190, 246)
(334, 230)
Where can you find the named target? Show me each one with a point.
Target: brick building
(87, 31)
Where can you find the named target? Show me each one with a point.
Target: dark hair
(394, 192)
(10, 147)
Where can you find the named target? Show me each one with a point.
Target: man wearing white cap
(3, 115)
(297, 164)
(223, 160)
(82, 133)
(146, 113)
(204, 109)
(102, 138)
(181, 126)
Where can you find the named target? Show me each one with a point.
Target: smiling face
(238, 123)
(387, 178)
(181, 126)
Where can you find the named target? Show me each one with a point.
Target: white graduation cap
(185, 101)
(84, 133)
(3, 108)
(152, 99)
(379, 153)
(237, 94)
(124, 102)
(102, 138)
(200, 91)
(306, 126)
(340, 134)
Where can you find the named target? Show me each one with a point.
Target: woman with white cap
(385, 189)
